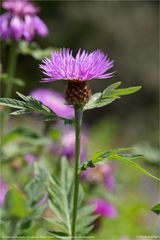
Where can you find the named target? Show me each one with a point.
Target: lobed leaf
(29, 105)
(119, 155)
(61, 202)
(35, 189)
(109, 95)
(9, 102)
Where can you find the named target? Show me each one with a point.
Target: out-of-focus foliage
(34, 50)
(156, 209)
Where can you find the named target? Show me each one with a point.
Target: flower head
(101, 173)
(3, 192)
(66, 145)
(30, 158)
(54, 101)
(20, 21)
(84, 66)
(104, 208)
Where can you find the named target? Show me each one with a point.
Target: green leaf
(136, 166)
(15, 204)
(85, 211)
(34, 50)
(150, 153)
(119, 155)
(109, 95)
(35, 189)
(29, 105)
(109, 90)
(92, 101)
(25, 134)
(127, 91)
(61, 202)
(9, 102)
(17, 81)
(156, 209)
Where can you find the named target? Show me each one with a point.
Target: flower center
(78, 92)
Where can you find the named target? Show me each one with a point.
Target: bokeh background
(128, 32)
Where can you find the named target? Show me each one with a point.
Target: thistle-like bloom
(83, 67)
(20, 21)
(54, 101)
(101, 173)
(30, 158)
(76, 70)
(66, 145)
(3, 192)
(104, 208)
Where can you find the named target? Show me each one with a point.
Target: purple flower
(30, 158)
(101, 173)
(104, 208)
(54, 101)
(3, 192)
(84, 66)
(20, 21)
(66, 145)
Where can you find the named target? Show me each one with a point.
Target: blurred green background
(128, 32)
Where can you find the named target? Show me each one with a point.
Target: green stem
(78, 120)
(12, 60)
(11, 69)
(9, 83)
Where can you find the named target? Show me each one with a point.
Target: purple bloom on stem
(84, 66)
(30, 158)
(20, 21)
(54, 101)
(104, 208)
(101, 173)
(3, 192)
(66, 145)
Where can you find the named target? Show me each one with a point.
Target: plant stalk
(12, 61)
(78, 120)
(11, 69)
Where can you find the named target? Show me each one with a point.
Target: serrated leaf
(86, 222)
(9, 102)
(36, 187)
(85, 211)
(86, 230)
(61, 202)
(156, 209)
(57, 224)
(29, 105)
(20, 112)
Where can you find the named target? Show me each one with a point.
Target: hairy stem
(78, 120)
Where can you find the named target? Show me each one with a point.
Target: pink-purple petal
(20, 21)
(54, 101)
(103, 208)
(84, 66)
